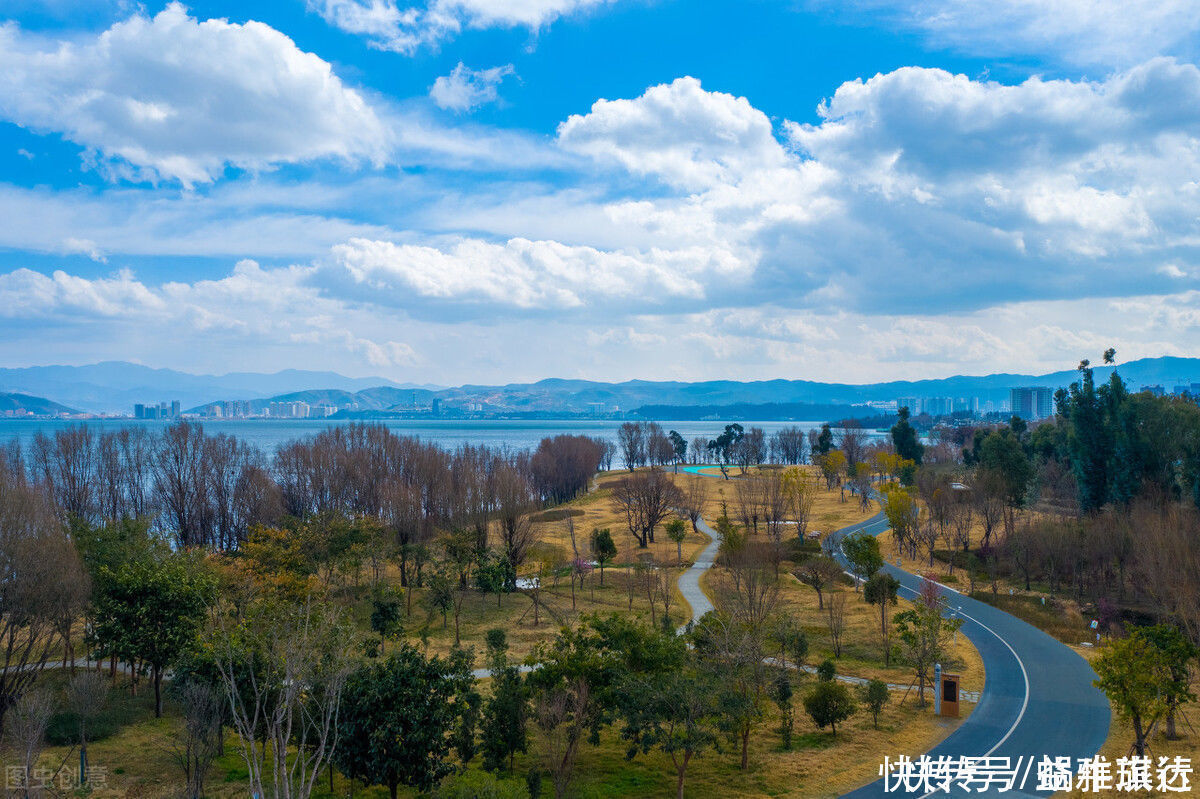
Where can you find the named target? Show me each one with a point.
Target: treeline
(208, 491)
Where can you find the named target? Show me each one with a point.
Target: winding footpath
(1038, 698)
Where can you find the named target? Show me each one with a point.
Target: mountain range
(114, 386)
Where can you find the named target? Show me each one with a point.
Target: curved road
(1038, 697)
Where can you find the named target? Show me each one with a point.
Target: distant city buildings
(162, 410)
(1031, 403)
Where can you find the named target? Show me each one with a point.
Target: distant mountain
(23, 403)
(114, 386)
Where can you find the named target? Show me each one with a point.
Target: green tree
(603, 549)
(386, 620)
(881, 590)
(397, 717)
(829, 702)
(674, 713)
(905, 439)
(1177, 655)
(679, 445)
(1130, 672)
(677, 532)
(825, 440)
(506, 712)
(151, 611)
(1003, 454)
(925, 633)
(863, 555)
(781, 693)
(874, 695)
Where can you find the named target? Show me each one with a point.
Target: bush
(63, 729)
(480, 785)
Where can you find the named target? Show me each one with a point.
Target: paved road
(1038, 698)
(689, 581)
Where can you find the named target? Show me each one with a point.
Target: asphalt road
(1038, 698)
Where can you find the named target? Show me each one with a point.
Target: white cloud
(171, 97)
(680, 132)
(1107, 33)
(388, 26)
(530, 275)
(466, 89)
(74, 246)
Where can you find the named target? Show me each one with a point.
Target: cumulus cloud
(405, 29)
(680, 132)
(466, 89)
(530, 275)
(1085, 32)
(171, 97)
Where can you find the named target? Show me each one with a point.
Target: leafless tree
(285, 709)
(25, 729)
(86, 694)
(66, 463)
(198, 741)
(43, 581)
(659, 451)
(631, 440)
(644, 500)
(694, 498)
(835, 619)
(852, 441)
(788, 446)
(820, 573)
(698, 449)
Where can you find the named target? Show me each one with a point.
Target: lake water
(515, 434)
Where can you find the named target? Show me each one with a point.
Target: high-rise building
(912, 403)
(139, 411)
(1031, 403)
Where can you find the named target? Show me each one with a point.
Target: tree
(25, 730)
(677, 532)
(1130, 673)
(44, 581)
(831, 464)
(198, 742)
(824, 441)
(631, 439)
(694, 498)
(874, 695)
(603, 548)
(1002, 454)
(86, 693)
(151, 612)
(397, 719)
(881, 590)
(281, 670)
(679, 446)
(835, 620)
(829, 702)
(902, 514)
(781, 692)
(819, 572)
(386, 621)
(645, 500)
(863, 555)
(904, 438)
(506, 712)
(674, 713)
(1177, 653)
(799, 494)
(925, 633)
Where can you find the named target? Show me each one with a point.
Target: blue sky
(491, 190)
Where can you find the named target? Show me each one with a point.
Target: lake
(268, 434)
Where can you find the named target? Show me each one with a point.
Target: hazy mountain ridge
(25, 403)
(115, 386)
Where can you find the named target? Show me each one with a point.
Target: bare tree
(852, 441)
(819, 572)
(694, 498)
(644, 500)
(788, 445)
(43, 581)
(282, 670)
(86, 695)
(835, 620)
(25, 729)
(631, 440)
(198, 741)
